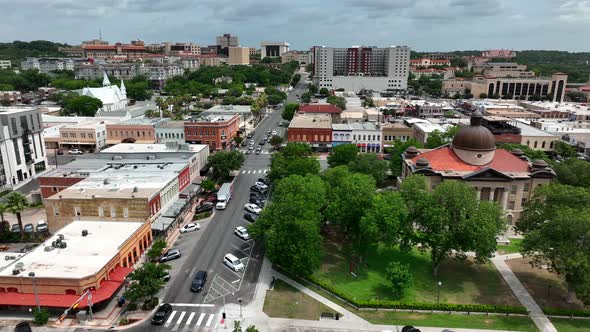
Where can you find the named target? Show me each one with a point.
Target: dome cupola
(474, 144)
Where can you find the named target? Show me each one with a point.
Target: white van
(42, 226)
(233, 262)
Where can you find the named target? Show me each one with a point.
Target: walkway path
(252, 314)
(535, 312)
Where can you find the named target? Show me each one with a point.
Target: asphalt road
(205, 249)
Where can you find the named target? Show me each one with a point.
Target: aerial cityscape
(405, 171)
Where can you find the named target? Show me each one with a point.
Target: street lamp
(32, 275)
(438, 292)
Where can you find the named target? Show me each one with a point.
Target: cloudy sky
(424, 25)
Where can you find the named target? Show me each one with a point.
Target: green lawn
(286, 301)
(463, 282)
(573, 325)
(492, 322)
(512, 248)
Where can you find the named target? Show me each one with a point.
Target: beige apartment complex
(239, 56)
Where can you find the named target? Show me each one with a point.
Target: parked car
(258, 190)
(212, 199)
(251, 147)
(257, 195)
(268, 132)
(233, 262)
(23, 327)
(163, 312)
(190, 227)
(262, 142)
(258, 150)
(263, 180)
(42, 226)
(274, 132)
(247, 152)
(206, 206)
(258, 202)
(251, 217)
(15, 228)
(199, 281)
(253, 208)
(261, 185)
(170, 255)
(60, 152)
(165, 276)
(250, 135)
(75, 151)
(29, 228)
(242, 233)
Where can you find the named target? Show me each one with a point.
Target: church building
(113, 98)
(506, 177)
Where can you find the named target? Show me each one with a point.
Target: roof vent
(84, 232)
(135, 189)
(106, 181)
(15, 272)
(412, 151)
(422, 162)
(48, 248)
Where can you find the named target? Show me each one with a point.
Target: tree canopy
(295, 158)
(342, 154)
(289, 111)
(223, 162)
(74, 104)
(370, 164)
(574, 172)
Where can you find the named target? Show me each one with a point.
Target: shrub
(566, 312)
(40, 317)
(400, 277)
(132, 306)
(202, 215)
(124, 321)
(150, 304)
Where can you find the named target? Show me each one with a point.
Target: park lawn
(285, 301)
(463, 282)
(547, 288)
(571, 325)
(512, 248)
(492, 322)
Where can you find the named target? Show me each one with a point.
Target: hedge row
(566, 312)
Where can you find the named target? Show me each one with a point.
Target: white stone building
(366, 136)
(113, 98)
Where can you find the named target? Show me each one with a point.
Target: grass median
(285, 301)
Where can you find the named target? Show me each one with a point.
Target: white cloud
(575, 11)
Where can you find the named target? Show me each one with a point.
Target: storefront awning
(162, 224)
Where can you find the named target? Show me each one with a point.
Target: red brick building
(119, 50)
(333, 110)
(315, 129)
(217, 131)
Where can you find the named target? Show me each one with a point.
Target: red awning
(106, 290)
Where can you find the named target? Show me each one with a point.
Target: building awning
(105, 291)
(77, 143)
(192, 188)
(174, 210)
(162, 224)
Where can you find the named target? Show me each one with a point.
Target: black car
(263, 180)
(257, 195)
(22, 327)
(199, 281)
(262, 142)
(207, 206)
(258, 202)
(258, 190)
(163, 312)
(251, 217)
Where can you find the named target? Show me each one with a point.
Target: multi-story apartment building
(216, 131)
(358, 68)
(5, 64)
(523, 88)
(119, 51)
(158, 73)
(21, 145)
(47, 65)
(238, 55)
(253, 51)
(273, 49)
(180, 48)
(89, 71)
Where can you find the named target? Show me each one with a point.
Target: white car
(261, 185)
(274, 132)
(242, 232)
(233, 262)
(190, 227)
(252, 208)
(75, 151)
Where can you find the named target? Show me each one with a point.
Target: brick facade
(127, 133)
(217, 134)
(310, 135)
(52, 185)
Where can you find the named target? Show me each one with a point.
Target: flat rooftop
(15, 109)
(172, 124)
(213, 118)
(428, 127)
(83, 256)
(526, 130)
(154, 148)
(312, 120)
(229, 109)
(140, 121)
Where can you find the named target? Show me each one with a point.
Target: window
(13, 125)
(513, 189)
(101, 212)
(56, 211)
(77, 211)
(91, 135)
(126, 212)
(523, 201)
(113, 212)
(510, 205)
(527, 187)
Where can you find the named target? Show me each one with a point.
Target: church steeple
(105, 80)
(123, 89)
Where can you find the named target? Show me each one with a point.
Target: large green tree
(451, 219)
(564, 150)
(556, 228)
(290, 226)
(295, 158)
(574, 172)
(370, 164)
(289, 111)
(223, 162)
(397, 150)
(146, 281)
(386, 220)
(74, 104)
(342, 154)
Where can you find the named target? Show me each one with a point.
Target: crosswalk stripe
(180, 317)
(170, 318)
(190, 318)
(209, 320)
(248, 171)
(243, 172)
(201, 317)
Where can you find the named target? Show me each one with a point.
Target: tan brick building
(238, 56)
(132, 131)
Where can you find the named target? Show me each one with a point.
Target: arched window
(543, 145)
(535, 144)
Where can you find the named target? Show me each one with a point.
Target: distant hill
(19, 50)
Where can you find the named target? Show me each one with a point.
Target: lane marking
(243, 172)
(209, 320)
(192, 305)
(233, 282)
(190, 318)
(170, 318)
(180, 317)
(200, 319)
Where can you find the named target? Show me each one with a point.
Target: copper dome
(474, 137)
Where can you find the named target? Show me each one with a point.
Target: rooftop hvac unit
(117, 158)
(15, 272)
(151, 157)
(48, 248)
(62, 245)
(60, 237)
(84, 232)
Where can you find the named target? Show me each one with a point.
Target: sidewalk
(535, 312)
